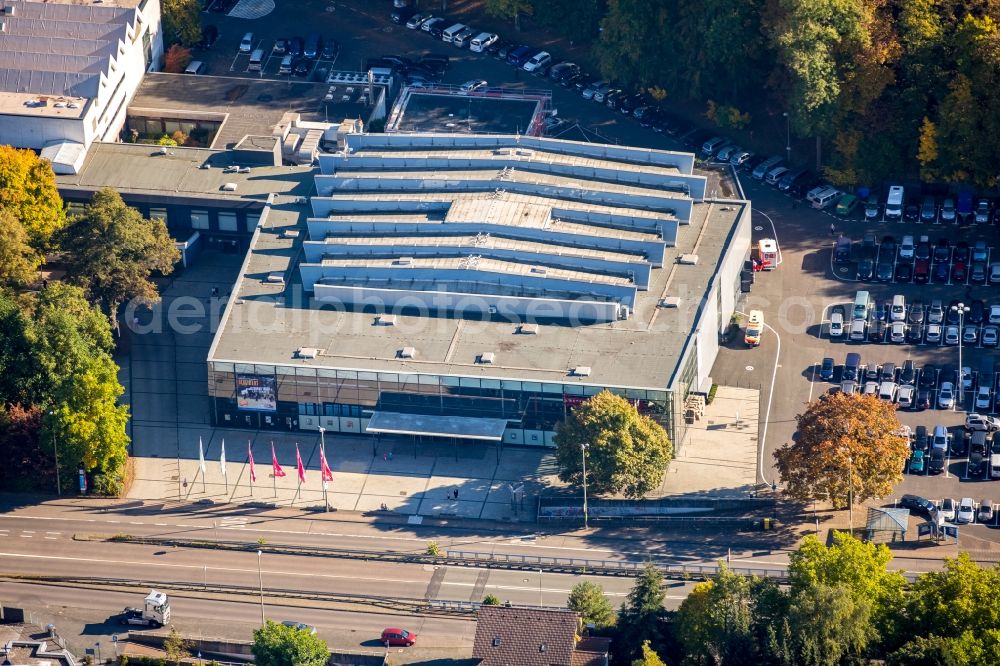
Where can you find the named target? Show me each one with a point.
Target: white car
(994, 314)
(905, 396)
(984, 397)
(934, 333)
(888, 391)
(836, 325)
(966, 511)
(995, 273)
(537, 62)
(986, 511)
(951, 336)
(897, 332)
(906, 248)
(946, 396)
(473, 85)
(981, 422)
(947, 510)
(970, 334)
(246, 44)
(871, 388)
(967, 377)
(991, 336)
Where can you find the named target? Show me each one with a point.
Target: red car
(398, 637)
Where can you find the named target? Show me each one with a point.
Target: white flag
(201, 457)
(222, 458)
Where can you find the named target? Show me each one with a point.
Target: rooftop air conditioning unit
(404, 261)
(539, 270)
(670, 302)
(528, 329)
(229, 187)
(290, 233)
(580, 371)
(307, 352)
(277, 277)
(487, 358)
(688, 259)
(407, 352)
(385, 320)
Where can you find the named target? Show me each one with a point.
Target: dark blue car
(826, 370)
(519, 56)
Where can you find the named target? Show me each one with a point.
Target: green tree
(726, 620)
(491, 600)
(19, 262)
(28, 192)
(829, 624)
(79, 380)
(627, 452)
(649, 657)
(181, 22)
(577, 20)
(587, 599)
(641, 617)
(21, 377)
(848, 445)
(930, 651)
(961, 598)
(112, 251)
(176, 647)
(858, 566)
(277, 645)
(510, 9)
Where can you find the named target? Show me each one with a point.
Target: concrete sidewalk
(410, 479)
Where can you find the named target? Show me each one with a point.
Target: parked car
(948, 509)
(936, 463)
(918, 504)
(397, 637)
(946, 396)
(826, 369)
(917, 463)
(976, 422)
(246, 44)
(966, 511)
(418, 20)
(985, 511)
(473, 85)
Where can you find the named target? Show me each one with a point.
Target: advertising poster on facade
(256, 393)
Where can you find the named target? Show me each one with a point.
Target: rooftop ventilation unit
(290, 233)
(670, 302)
(407, 352)
(277, 277)
(688, 259)
(307, 352)
(385, 320)
(229, 187)
(8, 10)
(528, 329)
(580, 371)
(404, 261)
(486, 358)
(539, 270)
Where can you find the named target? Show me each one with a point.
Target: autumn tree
(28, 192)
(19, 261)
(847, 445)
(112, 252)
(649, 657)
(176, 59)
(27, 465)
(176, 647)
(587, 599)
(627, 452)
(181, 22)
(280, 645)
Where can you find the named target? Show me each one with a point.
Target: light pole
(55, 452)
(583, 455)
(961, 309)
(322, 447)
(850, 492)
(788, 136)
(260, 580)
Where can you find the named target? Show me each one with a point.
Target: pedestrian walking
(833, 229)
(390, 455)
(385, 457)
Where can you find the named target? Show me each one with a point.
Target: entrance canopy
(465, 427)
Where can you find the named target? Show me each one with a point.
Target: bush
(433, 549)
(491, 600)
(711, 394)
(106, 485)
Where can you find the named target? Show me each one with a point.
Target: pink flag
(253, 472)
(298, 464)
(325, 470)
(278, 472)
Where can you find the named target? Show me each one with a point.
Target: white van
(823, 196)
(775, 174)
(483, 41)
(449, 34)
(256, 58)
(761, 169)
(709, 147)
(894, 203)
(538, 61)
(195, 67)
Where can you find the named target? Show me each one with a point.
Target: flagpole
(274, 471)
(201, 465)
(222, 466)
(322, 449)
(249, 458)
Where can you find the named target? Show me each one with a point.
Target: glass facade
(343, 400)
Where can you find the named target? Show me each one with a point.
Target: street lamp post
(55, 452)
(583, 455)
(322, 447)
(788, 136)
(260, 580)
(850, 492)
(961, 309)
